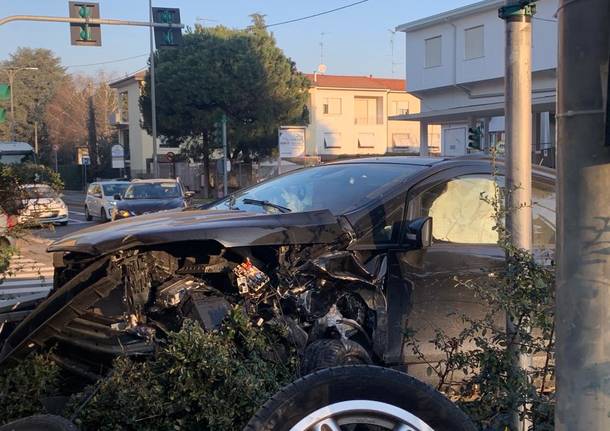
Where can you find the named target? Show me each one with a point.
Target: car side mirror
(419, 232)
(117, 197)
(189, 194)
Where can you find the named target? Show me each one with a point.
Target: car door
(464, 249)
(89, 199)
(96, 200)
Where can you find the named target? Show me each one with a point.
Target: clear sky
(357, 40)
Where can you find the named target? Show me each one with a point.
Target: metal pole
(518, 116)
(224, 152)
(36, 137)
(56, 169)
(11, 78)
(41, 18)
(153, 99)
(583, 165)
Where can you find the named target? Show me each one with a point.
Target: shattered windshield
(338, 188)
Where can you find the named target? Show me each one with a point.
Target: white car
(100, 200)
(43, 205)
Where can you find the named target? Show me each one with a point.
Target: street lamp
(11, 72)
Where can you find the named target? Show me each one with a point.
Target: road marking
(79, 213)
(72, 220)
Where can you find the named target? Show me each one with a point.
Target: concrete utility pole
(518, 120)
(583, 164)
(153, 99)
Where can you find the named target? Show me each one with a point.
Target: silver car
(100, 200)
(43, 205)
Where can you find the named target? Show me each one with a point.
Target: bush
(199, 380)
(24, 386)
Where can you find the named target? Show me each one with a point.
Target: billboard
(292, 142)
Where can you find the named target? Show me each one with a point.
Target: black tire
(39, 423)
(88, 216)
(327, 353)
(64, 223)
(358, 382)
(103, 215)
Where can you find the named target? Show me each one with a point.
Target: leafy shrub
(23, 386)
(198, 381)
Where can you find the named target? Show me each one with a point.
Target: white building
(349, 116)
(136, 141)
(455, 65)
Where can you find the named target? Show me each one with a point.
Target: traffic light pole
(518, 115)
(41, 18)
(224, 152)
(583, 168)
(153, 98)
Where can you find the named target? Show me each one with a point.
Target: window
(433, 51)
(124, 106)
(368, 110)
(332, 106)
(473, 43)
(459, 215)
(404, 141)
(543, 216)
(400, 107)
(332, 140)
(366, 140)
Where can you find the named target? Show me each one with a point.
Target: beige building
(349, 116)
(136, 141)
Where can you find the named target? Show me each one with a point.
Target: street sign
(118, 156)
(167, 36)
(81, 153)
(85, 34)
(170, 156)
(86, 160)
(292, 142)
(55, 147)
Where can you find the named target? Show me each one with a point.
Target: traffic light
(217, 134)
(85, 33)
(474, 138)
(5, 94)
(167, 36)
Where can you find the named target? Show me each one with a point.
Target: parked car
(149, 196)
(43, 205)
(100, 200)
(347, 257)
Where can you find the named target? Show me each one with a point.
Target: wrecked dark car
(344, 257)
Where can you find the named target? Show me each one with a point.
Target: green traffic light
(84, 12)
(2, 115)
(85, 33)
(168, 38)
(166, 16)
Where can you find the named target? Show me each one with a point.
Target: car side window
(543, 216)
(459, 209)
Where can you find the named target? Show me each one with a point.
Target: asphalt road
(76, 221)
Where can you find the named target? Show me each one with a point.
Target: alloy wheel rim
(335, 417)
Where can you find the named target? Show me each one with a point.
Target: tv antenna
(393, 63)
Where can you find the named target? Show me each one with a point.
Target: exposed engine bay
(125, 302)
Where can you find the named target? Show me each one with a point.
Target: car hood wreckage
(119, 288)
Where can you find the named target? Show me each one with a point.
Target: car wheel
(64, 223)
(103, 215)
(328, 353)
(88, 216)
(40, 422)
(359, 397)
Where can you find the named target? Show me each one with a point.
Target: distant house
(349, 116)
(455, 65)
(136, 141)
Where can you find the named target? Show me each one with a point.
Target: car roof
(155, 180)
(394, 160)
(432, 161)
